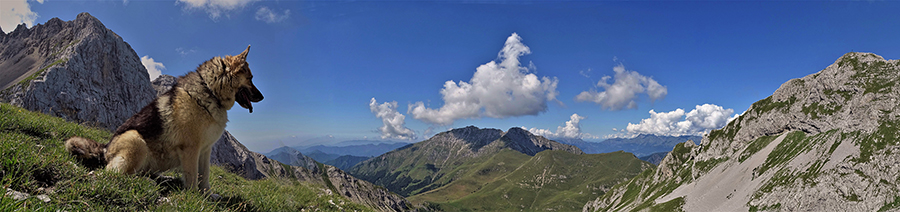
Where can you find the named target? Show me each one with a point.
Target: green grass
(34, 161)
(793, 144)
(774, 207)
(815, 109)
(873, 77)
(27, 81)
(767, 104)
(845, 94)
(551, 180)
(888, 206)
(729, 131)
(639, 193)
(886, 134)
(64, 48)
(755, 146)
(670, 206)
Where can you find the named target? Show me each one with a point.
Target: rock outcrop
(236, 158)
(824, 142)
(163, 83)
(78, 70)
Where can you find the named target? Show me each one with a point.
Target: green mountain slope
(34, 162)
(551, 180)
(441, 159)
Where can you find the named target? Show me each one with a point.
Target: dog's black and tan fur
(177, 129)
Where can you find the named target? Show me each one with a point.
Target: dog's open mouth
(245, 97)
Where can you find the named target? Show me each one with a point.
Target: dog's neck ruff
(208, 90)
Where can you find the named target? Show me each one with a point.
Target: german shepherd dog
(177, 129)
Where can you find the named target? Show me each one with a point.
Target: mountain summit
(56, 67)
(427, 165)
(824, 142)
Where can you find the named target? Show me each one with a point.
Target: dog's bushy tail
(90, 153)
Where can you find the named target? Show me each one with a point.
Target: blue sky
(320, 63)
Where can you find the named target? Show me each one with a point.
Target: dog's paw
(215, 197)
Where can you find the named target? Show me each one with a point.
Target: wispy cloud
(184, 52)
(497, 89)
(15, 12)
(153, 68)
(622, 93)
(267, 15)
(216, 8)
(393, 122)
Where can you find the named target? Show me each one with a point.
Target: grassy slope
(551, 180)
(33, 160)
(413, 170)
(480, 172)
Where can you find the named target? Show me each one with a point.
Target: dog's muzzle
(246, 96)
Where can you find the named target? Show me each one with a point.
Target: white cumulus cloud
(698, 121)
(153, 68)
(497, 89)
(393, 121)
(267, 15)
(15, 12)
(216, 8)
(621, 94)
(572, 129)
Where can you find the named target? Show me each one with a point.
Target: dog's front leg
(190, 166)
(204, 169)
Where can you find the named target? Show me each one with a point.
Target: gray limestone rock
(78, 70)
(835, 150)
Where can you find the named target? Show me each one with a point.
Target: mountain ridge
(55, 68)
(821, 142)
(434, 162)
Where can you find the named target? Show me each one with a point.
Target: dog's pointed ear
(238, 60)
(243, 55)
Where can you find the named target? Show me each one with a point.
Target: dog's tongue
(243, 99)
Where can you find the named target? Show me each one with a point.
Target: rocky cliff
(78, 70)
(235, 157)
(824, 142)
(429, 164)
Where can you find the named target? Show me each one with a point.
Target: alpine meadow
(449, 106)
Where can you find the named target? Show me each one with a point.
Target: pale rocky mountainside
(78, 70)
(824, 142)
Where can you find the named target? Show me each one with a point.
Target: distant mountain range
(640, 146)
(355, 148)
(342, 157)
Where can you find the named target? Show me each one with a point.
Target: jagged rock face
(523, 141)
(366, 193)
(236, 158)
(852, 94)
(426, 165)
(824, 142)
(163, 83)
(78, 70)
